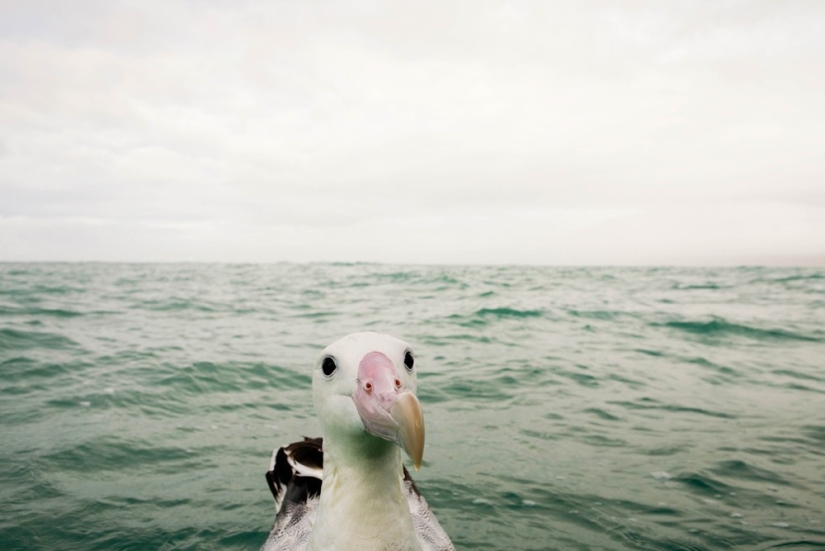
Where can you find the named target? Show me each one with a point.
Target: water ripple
(567, 408)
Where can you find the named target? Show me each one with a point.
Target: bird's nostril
(397, 383)
(368, 386)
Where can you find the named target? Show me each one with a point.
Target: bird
(349, 489)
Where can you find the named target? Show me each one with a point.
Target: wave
(806, 277)
(15, 339)
(703, 483)
(650, 404)
(551, 396)
(485, 316)
(742, 470)
(718, 327)
(502, 313)
(604, 315)
(697, 286)
(52, 312)
(116, 453)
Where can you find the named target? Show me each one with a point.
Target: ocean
(566, 408)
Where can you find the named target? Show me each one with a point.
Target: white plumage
(350, 491)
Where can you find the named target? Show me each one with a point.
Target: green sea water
(566, 408)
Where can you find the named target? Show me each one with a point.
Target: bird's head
(364, 384)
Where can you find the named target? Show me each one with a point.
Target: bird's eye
(328, 366)
(409, 361)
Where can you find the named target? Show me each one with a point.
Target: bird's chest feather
(354, 515)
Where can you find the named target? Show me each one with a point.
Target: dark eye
(328, 366)
(409, 361)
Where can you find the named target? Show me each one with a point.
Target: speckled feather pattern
(297, 507)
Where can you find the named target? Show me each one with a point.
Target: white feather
(365, 504)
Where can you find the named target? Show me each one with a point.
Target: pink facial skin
(378, 389)
(387, 410)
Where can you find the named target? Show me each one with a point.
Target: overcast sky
(420, 132)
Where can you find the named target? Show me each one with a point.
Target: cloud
(421, 132)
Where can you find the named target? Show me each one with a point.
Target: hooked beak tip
(407, 413)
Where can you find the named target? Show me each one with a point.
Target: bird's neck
(363, 503)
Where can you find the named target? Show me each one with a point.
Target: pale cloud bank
(477, 132)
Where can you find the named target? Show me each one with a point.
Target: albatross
(349, 490)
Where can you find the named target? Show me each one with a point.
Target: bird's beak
(386, 409)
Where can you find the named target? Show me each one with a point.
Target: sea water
(566, 408)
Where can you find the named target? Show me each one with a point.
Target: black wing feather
(295, 482)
